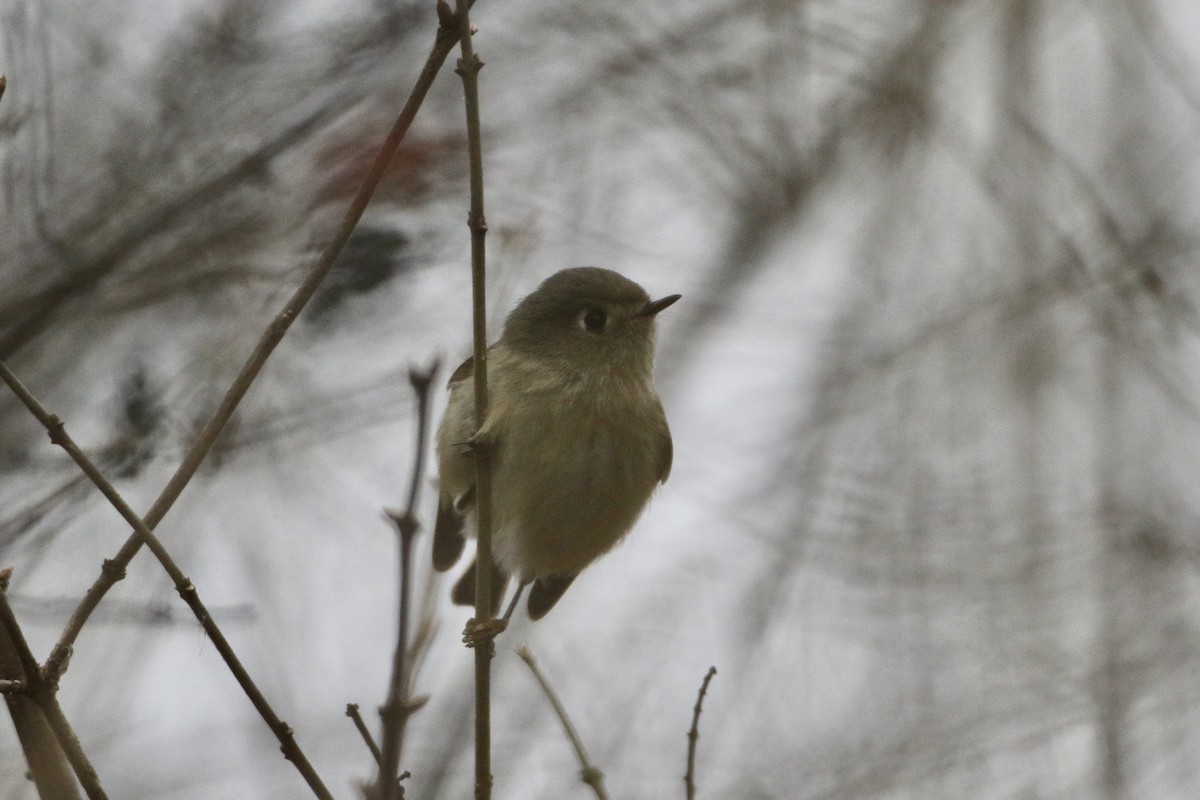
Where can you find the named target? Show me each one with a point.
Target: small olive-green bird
(575, 430)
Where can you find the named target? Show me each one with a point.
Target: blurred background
(933, 385)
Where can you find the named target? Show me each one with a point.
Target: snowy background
(933, 385)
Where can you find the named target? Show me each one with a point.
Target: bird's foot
(480, 632)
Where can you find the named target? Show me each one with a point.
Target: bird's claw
(479, 632)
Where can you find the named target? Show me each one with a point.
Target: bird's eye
(593, 320)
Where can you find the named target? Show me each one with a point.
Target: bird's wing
(465, 371)
(448, 536)
(448, 539)
(545, 592)
(463, 593)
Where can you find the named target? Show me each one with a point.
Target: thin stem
(468, 68)
(353, 714)
(689, 779)
(443, 44)
(58, 435)
(588, 772)
(396, 711)
(42, 692)
(49, 770)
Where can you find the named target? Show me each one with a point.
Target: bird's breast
(574, 468)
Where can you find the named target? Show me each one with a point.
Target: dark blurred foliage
(933, 383)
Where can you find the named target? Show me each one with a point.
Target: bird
(575, 432)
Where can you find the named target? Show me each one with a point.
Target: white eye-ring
(592, 320)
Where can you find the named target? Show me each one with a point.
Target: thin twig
(689, 779)
(89, 269)
(352, 713)
(3, 85)
(443, 44)
(42, 692)
(59, 436)
(396, 711)
(468, 69)
(49, 769)
(588, 772)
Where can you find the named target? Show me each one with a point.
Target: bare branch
(352, 713)
(689, 779)
(468, 69)
(588, 772)
(57, 662)
(271, 337)
(42, 692)
(396, 711)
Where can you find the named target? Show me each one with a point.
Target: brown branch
(59, 436)
(48, 766)
(689, 779)
(396, 711)
(352, 713)
(45, 763)
(271, 337)
(588, 772)
(468, 69)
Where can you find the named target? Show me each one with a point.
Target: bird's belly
(558, 508)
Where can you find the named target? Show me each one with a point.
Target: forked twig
(443, 44)
(689, 779)
(399, 706)
(42, 692)
(588, 772)
(185, 588)
(114, 569)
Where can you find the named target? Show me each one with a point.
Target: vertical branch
(468, 68)
(689, 778)
(396, 711)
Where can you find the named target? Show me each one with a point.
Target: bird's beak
(655, 306)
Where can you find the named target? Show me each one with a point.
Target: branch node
(113, 570)
(477, 223)
(186, 589)
(57, 664)
(447, 21)
(469, 65)
(421, 379)
(592, 776)
(57, 430)
(406, 522)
